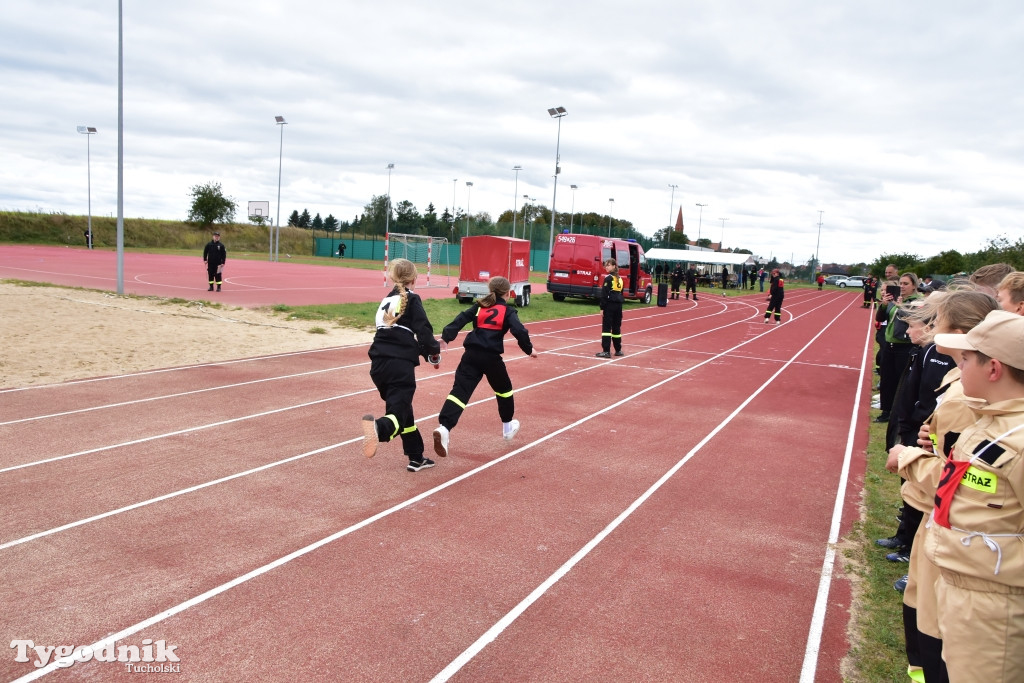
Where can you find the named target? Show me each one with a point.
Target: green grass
(877, 652)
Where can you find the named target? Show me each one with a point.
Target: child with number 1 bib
(481, 357)
(404, 334)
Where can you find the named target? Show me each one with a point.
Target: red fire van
(576, 268)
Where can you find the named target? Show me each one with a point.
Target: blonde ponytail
(403, 273)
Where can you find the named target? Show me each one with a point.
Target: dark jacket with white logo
(410, 337)
(489, 327)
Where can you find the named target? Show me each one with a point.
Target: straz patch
(979, 480)
(491, 318)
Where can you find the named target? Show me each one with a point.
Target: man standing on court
(215, 255)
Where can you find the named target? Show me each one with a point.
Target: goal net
(430, 254)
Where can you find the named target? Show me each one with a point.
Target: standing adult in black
(215, 255)
(725, 276)
(776, 293)
(691, 282)
(677, 279)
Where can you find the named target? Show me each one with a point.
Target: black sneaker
(603, 354)
(892, 543)
(884, 417)
(901, 583)
(619, 353)
(898, 556)
(417, 465)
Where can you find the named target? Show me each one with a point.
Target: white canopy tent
(712, 258)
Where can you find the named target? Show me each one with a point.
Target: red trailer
(487, 256)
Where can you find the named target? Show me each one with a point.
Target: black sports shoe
(898, 556)
(619, 353)
(884, 417)
(892, 543)
(901, 583)
(417, 465)
(603, 354)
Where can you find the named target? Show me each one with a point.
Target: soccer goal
(431, 252)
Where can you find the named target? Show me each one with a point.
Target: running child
(492, 317)
(403, 335)
(611, 306)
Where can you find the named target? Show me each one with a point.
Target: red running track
(246, 283)
(669, 515)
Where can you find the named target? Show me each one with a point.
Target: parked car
(852, 281)
(834, 279)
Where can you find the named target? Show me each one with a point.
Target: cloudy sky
(902, 121)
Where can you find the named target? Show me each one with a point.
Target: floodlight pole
(572, 210)
(88, 131)
(469, 185)
(387, 216)
(452, 229)
(699, 219)
(515, 194)
(611, 202)
(120, 148)
(555, 113)
(671, 205)
(277, 224)
(817, 265)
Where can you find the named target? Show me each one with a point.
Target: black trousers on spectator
(890, 369)
(611, 326)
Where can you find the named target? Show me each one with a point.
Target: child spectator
(403, 335)
(955, 312)
(977, 524)
(1010, 293)
(987, 278)
(481, 357)
(611, 306)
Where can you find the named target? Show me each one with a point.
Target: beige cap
(1000, 335)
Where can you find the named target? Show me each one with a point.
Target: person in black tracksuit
(776, 293)
(691, 282)
(677, 279)
(215, 256)
(404, 334)
(491, 317)
(611, 305)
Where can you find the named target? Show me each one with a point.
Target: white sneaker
(509, 429)
(441, 441)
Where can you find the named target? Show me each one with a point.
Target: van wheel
(465, 299)
(647, 295)
(558, 297)
(526, 296)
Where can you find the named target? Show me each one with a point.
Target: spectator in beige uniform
(954, 312)
(977, 523)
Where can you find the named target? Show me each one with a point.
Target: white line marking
(492, 633)
(810, 663)
(400, 506)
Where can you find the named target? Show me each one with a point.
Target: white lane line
(193, 392)
(259, 571)
(143, 373)
(810, 663)
(499, 627)
(154, 437)
(180, 492)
